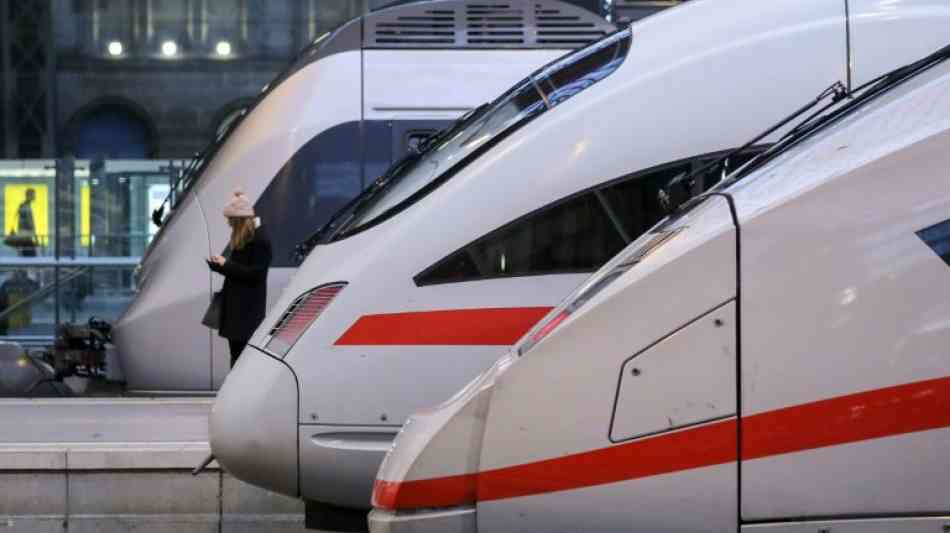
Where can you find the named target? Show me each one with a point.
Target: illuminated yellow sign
(14, 195)
(84, 214)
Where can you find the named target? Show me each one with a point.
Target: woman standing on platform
(243, 298)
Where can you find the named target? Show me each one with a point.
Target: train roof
(461, 24)
(465, 24)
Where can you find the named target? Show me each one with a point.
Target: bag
(212, 317)
(19, 240)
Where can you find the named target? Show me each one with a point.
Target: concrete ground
(112, 465)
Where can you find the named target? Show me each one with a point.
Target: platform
(98, 465)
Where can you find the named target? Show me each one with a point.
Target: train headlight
(299, 315)
(617, 266)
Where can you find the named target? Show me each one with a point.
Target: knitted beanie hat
(238, 206)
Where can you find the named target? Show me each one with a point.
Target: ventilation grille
(484, 24)
(299, 316)
(496, 24)
(627, 11)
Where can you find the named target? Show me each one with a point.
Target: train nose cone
(253, 424)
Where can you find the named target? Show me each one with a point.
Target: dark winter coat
(244, 294)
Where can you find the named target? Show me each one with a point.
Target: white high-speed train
(351, 103)
(409, 293)
(773, 357)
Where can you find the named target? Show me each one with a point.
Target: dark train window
(574, 236)
(635, 202)
(322, 177)
(578, 234)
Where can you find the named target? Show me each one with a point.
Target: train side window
(575, 235)
(635, 200)
(456, 268)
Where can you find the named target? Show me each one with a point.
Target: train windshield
(450, 151)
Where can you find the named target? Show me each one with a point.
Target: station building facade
(103, 104)
(157, 78)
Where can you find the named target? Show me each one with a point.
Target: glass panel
(577, 235)
(106, 210)
(322, 177)
(27, 303)
(635, 201)
(101, 292)
(377, 146)
(68, 255)
(574, 236)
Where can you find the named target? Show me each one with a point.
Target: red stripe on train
(891, 411)
(478, 327)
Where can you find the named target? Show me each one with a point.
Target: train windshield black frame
(407, 182)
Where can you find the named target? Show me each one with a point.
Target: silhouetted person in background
(26, 226)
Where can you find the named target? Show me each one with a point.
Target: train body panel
(839, 306)
(168, 301)
(873, 263)
(437, 83)
(326, 128)
(875, 23)
(913, 524)
(431, 293)
(272, 433)
(197, 359)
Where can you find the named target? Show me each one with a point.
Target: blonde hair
(242, 231)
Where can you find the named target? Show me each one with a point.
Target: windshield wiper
(676, 200)
(678, 191)
(437, 138)
(858, 97)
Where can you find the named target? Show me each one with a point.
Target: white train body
(313, 414)
(775, 359)
(337, 118)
